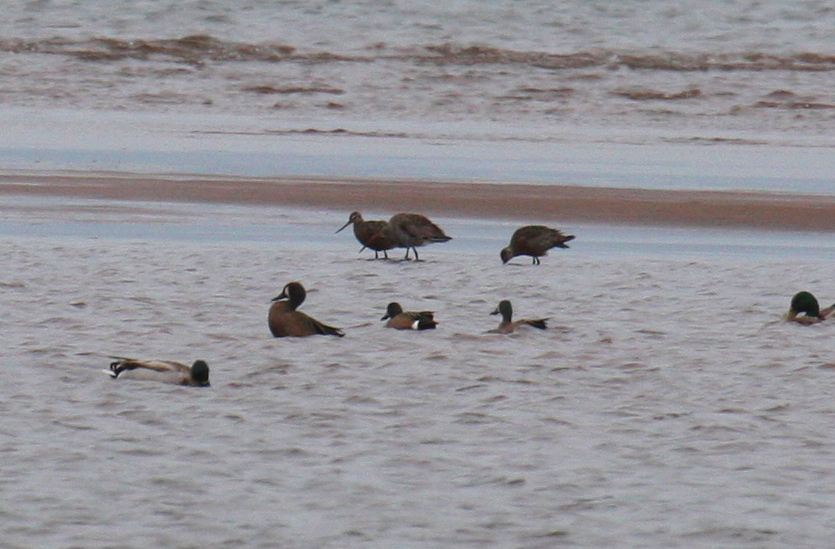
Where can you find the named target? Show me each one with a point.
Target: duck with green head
(806, 303)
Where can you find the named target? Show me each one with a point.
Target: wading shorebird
(167, 371)
(507, 325)
(535, 241)
(373, 235)
(410, 230)
(408, 320)
(806, 303)
(285, 321)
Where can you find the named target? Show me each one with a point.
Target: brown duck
(410, 230)
(535, 241)
(407, 320)
(285, 321)
(508, 325)
(371, 234)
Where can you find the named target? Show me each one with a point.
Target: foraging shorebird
(371, 234)
(409, 230)
(285, 321)
(408, 320)
(806, 303)
(535, 241)
(507, 325)
(167, 371)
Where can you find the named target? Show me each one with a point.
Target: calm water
(667, 406)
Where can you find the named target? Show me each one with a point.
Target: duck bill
(495, 312)
(790, 315)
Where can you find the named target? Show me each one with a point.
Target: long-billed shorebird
(410, 230)
(373, 235)
(535, 241)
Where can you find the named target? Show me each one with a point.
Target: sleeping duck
(167, 371)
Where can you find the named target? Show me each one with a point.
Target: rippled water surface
(729, 70)
(666, 406)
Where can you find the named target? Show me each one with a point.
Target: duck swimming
(407, 320)
(168, 371)
(806, 303)
(507, 325)
(285, 321)
(535, 241)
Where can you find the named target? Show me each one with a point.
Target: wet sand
(537, 203)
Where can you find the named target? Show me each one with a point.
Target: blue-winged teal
(409, 230)
(166, 371)
(285, 321)
(371, 234)
(535, 241)
(806, 303)
(507, 324)
(408, 320)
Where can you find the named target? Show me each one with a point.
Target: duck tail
(539, 323)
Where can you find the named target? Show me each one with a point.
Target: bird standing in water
(373, 235)
(410, 230)
(535, 241)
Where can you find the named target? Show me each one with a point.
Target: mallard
(167, 371)
(410, 230)
(408, 320)
(507, 325)
(806, 303)
(535, 241)
(285, 321)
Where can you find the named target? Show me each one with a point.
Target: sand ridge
(534, 203)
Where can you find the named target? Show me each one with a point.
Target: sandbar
(528, 203)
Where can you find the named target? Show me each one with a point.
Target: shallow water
(667, 405)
